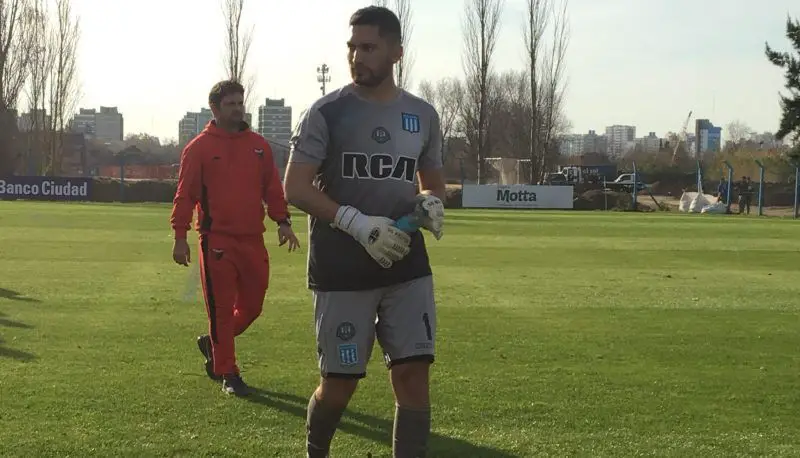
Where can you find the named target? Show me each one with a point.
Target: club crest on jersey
(259, 152)
(378, 166)
(381, 135)
(410, 123)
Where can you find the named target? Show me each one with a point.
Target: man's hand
(180, 252)
(286, 234)
(384, 242)
(431, 210)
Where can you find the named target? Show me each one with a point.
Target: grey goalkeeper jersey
(368, 155)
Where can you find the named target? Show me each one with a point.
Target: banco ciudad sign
(45, 188)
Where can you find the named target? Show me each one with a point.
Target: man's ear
(397, 53)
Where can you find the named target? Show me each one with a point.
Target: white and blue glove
(430, 211)
(384, 242)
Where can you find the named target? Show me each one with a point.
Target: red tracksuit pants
(235, 277)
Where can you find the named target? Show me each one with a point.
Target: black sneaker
(204, 344)
(233, 384)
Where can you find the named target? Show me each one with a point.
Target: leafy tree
(790, 62)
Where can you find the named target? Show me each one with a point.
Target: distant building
(579, 144)
(595, 144)
(621, 139)
(708, 138)
(766, 140)
(84, 122)
(194, 122)
(275, 121)
(37, 118)
(571, 145)
(650, 144)
(691, 141)
(107, 124)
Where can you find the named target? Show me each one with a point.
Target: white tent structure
(699, 202)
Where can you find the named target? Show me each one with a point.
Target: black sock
(321, 424)
(411, 431)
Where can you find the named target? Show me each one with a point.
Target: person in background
(745, 195)
(228, 174)
(722, 191)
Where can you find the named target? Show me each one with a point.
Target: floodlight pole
(323, 76)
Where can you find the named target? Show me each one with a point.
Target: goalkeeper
(352, 168)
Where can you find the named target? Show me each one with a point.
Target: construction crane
(681, 137)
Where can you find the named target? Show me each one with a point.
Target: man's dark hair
(224, 89)
(383, 18)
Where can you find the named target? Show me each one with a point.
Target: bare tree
(404, 66)
(63, 79)
(447, 96)
(537, 17)
(545, 68)
(14, 57)
(738, 131)
(402, 8)
(15, 25)
(481, 27)
(554, 85)
(237, 47)
(511, 113)
(41, 64)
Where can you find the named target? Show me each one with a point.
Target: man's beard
(232, 122)
(370, 78)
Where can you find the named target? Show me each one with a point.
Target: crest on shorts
(259, 152)
(348, 354)
(346, 331)
(410, 123)
(218, 253)
(381, 135)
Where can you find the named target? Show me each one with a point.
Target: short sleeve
(431, 157)
(309, 143)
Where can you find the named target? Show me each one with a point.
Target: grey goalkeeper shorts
(402, 317)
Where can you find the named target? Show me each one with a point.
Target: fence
(503, 193)
(139, 172)
(759, 193)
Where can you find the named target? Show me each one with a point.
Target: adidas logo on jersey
(378, 166)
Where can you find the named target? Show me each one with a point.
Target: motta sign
(45, 188)
(516, 196)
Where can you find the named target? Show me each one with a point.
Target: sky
(636, 62)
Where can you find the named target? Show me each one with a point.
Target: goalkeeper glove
(377, 234)
(430, 213)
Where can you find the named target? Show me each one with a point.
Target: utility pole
(323, 76)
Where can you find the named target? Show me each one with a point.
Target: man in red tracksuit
(227, 172)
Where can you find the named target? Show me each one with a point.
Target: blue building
(708, 138)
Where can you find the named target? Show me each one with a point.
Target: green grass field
(560, 334)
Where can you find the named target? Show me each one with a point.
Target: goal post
(507, 170)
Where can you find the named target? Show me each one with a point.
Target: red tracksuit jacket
(228, 177)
